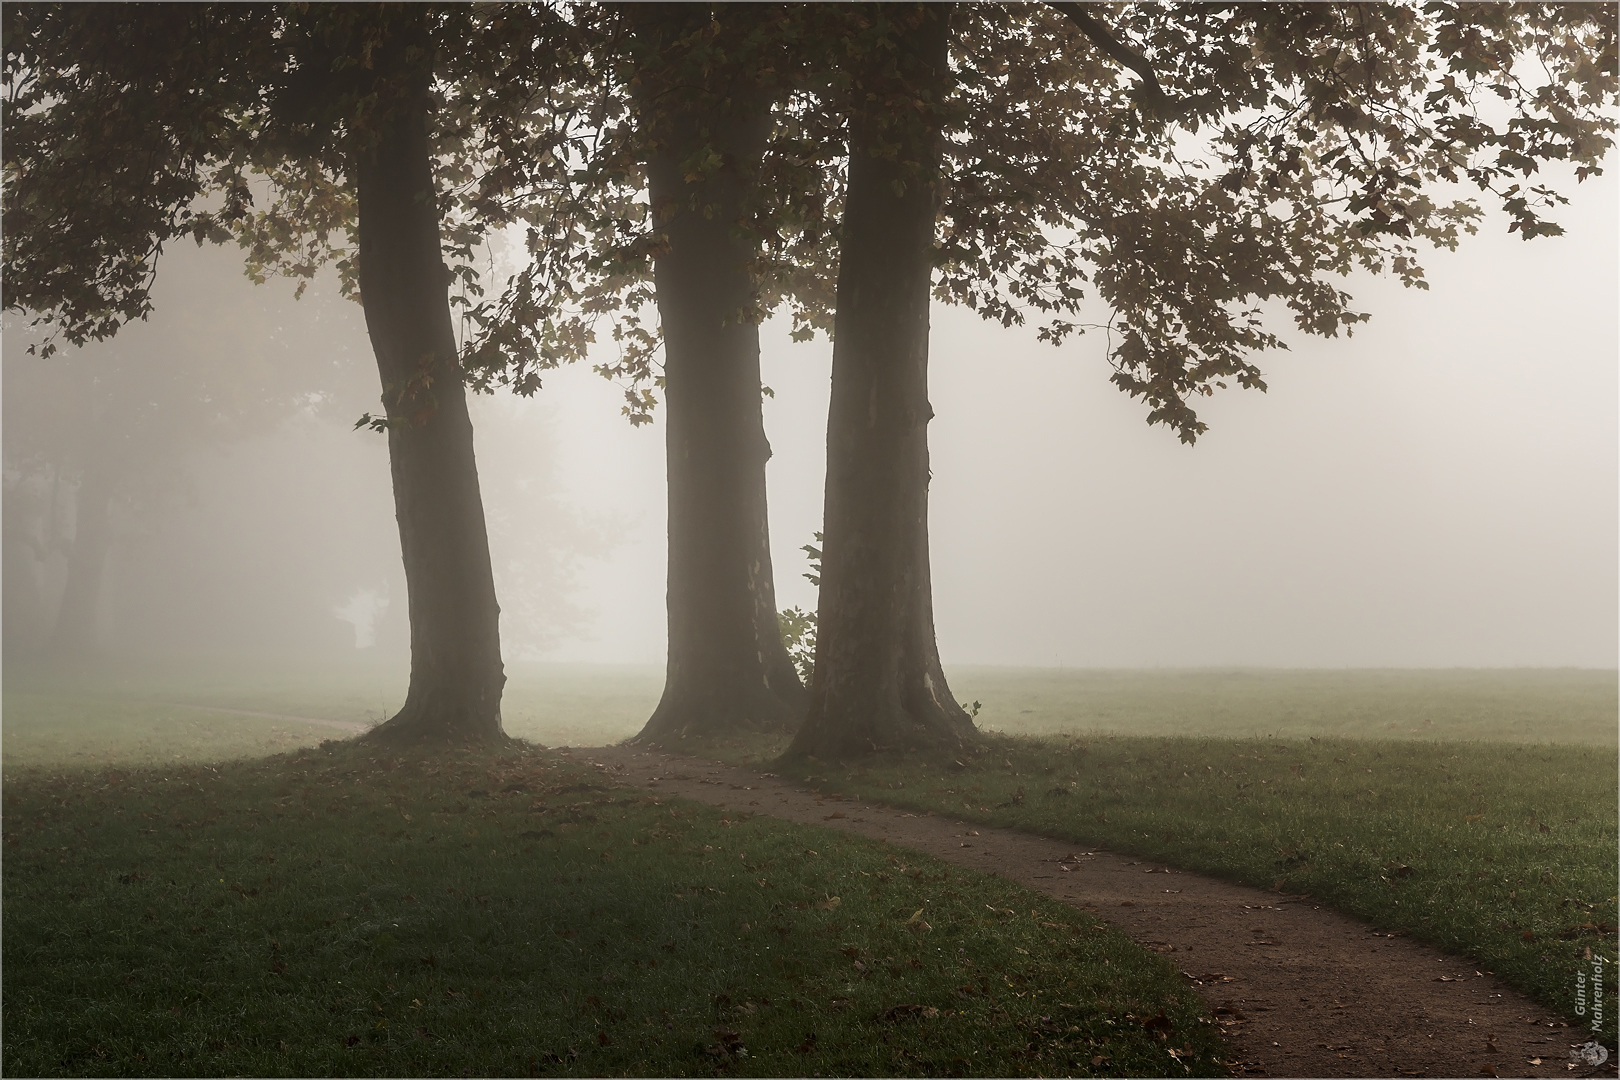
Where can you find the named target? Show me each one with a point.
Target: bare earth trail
(1299, 989)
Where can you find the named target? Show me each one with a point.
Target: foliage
(1271, 150)
(130, 128)
(799, 638)
(1299, 142)
(331, 912)
(799, 627)
(116, 127)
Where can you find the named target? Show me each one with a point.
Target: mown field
(158, 711)
(326, 911)
(153, 900)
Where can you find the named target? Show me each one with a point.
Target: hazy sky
(1439, 490)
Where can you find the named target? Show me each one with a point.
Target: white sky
(1440, 490)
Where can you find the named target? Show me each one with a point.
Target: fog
(1439, 490)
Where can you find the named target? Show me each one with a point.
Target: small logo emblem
(1591, 1053)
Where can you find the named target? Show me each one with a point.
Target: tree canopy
(1169, 174)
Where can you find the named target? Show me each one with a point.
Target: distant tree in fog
(98, 441)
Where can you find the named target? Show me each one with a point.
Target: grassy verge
(323, 913)
(1503, 853)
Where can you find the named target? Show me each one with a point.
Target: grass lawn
(158, 712)
(1502, 852)
(134, 714)
(325, 913)
(1483, 820)
(1567, 705)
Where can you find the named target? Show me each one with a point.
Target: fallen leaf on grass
(896, 1013)
(829, 904)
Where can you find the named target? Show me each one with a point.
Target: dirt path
(1299, 989)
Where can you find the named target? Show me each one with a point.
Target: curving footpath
(1298, 989)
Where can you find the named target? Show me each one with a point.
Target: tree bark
(878, 684)
(456, 669)
(727, 668)
(74, 636)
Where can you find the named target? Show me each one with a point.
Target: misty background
(1440, 490)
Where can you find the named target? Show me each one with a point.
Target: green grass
(1505, 853)
(150, 712)
(99, 971)
(84, 730)
(1566, 705)
(324, 913)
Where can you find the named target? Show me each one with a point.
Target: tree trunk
(727, 669)
(74, 636)
(456, 670)
(26, 623)
(878, 684)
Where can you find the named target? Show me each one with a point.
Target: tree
(687, 111)
(118, 123)
(703, 119)
(878, 682)
(1326, 129)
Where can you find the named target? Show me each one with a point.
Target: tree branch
(1113, 48)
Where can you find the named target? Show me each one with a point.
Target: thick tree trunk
(456, 670)
(878, 685)
(74, 636)
(727, 669)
